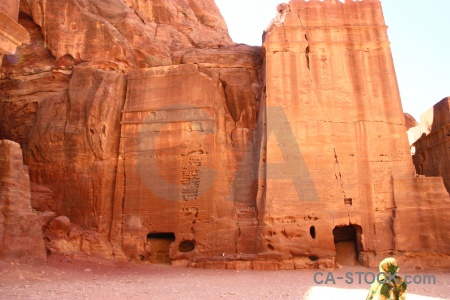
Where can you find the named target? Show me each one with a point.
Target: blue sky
(419, 31)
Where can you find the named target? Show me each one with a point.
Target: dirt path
(108, 280)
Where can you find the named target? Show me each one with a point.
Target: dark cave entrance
(186, 246)
(160, 245)
(347, 240)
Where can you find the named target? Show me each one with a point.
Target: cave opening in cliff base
(186, 246)
(347, 240)
(160, 245)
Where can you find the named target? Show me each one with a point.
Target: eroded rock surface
(20, 227)
(337, 155)
(150, 136)
(410, 122)
(431, 156)
(133, 32)
(69, 111)
(12, 34)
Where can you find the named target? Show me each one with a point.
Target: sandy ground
(99, 279)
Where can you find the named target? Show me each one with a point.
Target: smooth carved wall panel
(177, 162)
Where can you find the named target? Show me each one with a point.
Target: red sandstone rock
(177, 164)
(10, 8)
(140, 34)
(20, 229)
(73, 140)
(31, 84)
(410, 122)
(432, 150)
(199, 22)
(12, 34)
(337, 155)
(441, 116)
(59, 226)
(161, 140)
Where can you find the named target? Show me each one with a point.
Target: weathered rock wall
(12, 34)
(153, 137)
(187, 147)
(21, 236)
(431, 156)
(10, 8)
(134, 33)
(63, 116)
(336, 139)
(184, 131)
(65, 98)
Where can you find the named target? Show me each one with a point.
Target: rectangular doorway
(160, 246)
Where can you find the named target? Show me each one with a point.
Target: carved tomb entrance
(347, 240)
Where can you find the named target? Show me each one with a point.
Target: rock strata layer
(12, 34)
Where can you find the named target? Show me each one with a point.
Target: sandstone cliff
(431, 156)
(72, 100)
(20, 227)
(340, 154)
(151, 136)
(132, 32)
